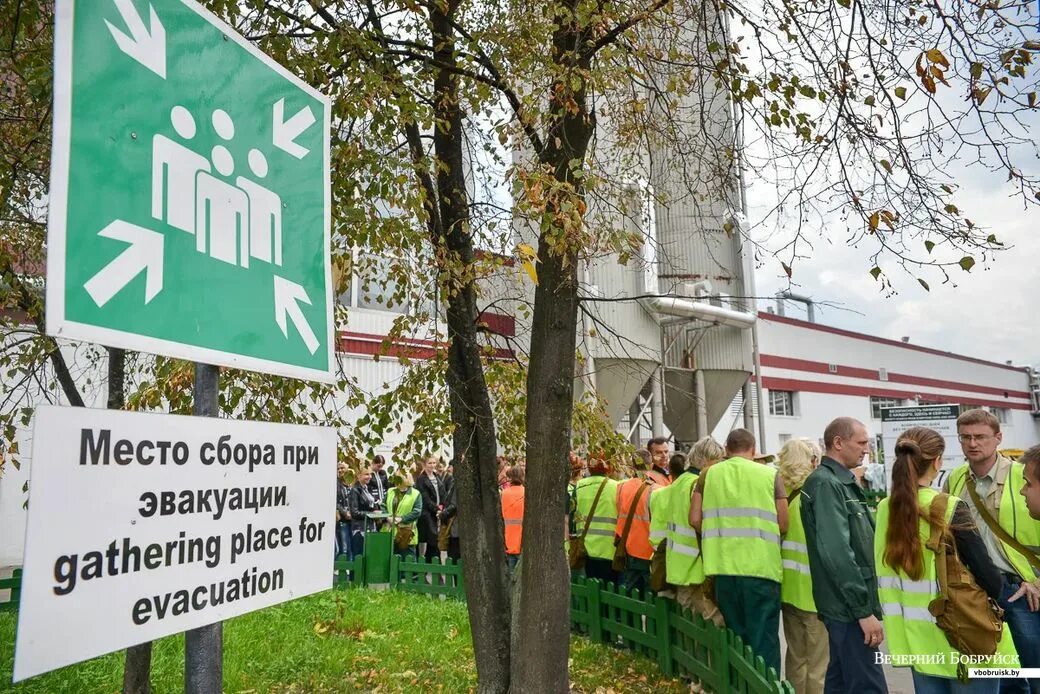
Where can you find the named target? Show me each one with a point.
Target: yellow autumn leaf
(936, 56)
(528, 256)
(530, 270)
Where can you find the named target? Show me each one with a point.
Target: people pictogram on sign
(265, 213)
(231, 221)
(221, 209)
(174, 167)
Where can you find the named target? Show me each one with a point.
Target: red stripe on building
(367, 344)
(795, 385)
(778, 362)
(506, 260)
(881, 340)
(499, 324)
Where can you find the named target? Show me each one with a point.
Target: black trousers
(601, 569)
(853, 666)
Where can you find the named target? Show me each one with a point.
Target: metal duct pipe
(657, 403)
(700, 404)
(788, 295)
(749, 410)
(635, 413)
(674, 306)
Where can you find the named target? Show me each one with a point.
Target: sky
(989, 312)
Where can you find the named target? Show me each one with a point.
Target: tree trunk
(543, 631)
(476, 471)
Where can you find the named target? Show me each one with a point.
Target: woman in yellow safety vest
(404, 504)
(806, 636)
(906, 570)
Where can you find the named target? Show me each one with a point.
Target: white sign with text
(145, 525)
(941, 418)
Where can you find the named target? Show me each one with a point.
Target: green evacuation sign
(189, 200)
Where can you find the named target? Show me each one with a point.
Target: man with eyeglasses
(989, 485)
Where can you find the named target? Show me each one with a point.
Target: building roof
(764, 315)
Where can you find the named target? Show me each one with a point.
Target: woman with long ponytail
(907, 581)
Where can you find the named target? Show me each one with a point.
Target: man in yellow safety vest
(989, 484)
(740, 508)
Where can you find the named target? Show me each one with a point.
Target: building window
(877, 403)
(781, 403)
(377, 292)
(784, 438)
(1002, 414)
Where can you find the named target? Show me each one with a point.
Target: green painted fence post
(394, 577)
(721, 658)
(663, 634)
(595, 611)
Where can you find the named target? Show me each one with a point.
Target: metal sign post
(204, 646)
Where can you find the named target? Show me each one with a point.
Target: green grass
(339, 641)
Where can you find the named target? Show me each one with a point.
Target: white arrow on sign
(287, 296)
(147, 48)
(286, 131)
(145, 254)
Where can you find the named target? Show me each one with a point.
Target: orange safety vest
(659, 479)
(513, 515)
(638, 544)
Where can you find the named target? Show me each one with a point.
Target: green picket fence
(428, 578)
(13, 584)
(349, 572)
(682, 644)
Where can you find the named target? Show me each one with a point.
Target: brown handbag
(402, 533)
(971, 621)
(444, 535)
(576, 553)
(659, 567)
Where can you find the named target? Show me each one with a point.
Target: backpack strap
(1004, 535)
(631, 514)
(936, 539)
(592, 511)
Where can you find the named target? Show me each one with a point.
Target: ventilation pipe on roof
(791, 296)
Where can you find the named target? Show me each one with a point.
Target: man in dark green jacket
(839, 535)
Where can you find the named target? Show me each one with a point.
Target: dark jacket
(433, 498)
(342, 501)
(839, 534)
(362, 502)
(379, 478)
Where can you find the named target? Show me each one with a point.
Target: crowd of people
(946, 578)
(418, 509)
